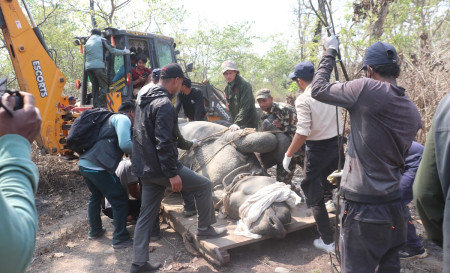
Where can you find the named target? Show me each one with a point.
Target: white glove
(331, 42)
(286, 162)
(234, 127)
(127, 51)
(195, 143)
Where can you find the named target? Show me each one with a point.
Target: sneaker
(330, 206)
(98, 235)
(147, 267)
(189, 213)
(318, 243)
(123, 244)
(211, 232)
(412, 253)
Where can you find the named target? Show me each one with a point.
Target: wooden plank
(216, 249)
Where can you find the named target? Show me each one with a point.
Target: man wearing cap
(317, 128)
(384, 122)
(155, 75)
(192, 101)
(279, 116)
(98, 166)
(239, 95)
(155, 162)
(95, 66)
(72, 100)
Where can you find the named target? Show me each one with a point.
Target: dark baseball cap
(126, 106)
(380, 53)
(156, 72)
(72, 98)
(304, 71)
(172, 70)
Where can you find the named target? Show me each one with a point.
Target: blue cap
(380, 53)
(304, 71)
(156, 72)
(72, 98)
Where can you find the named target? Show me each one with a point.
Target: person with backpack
(95, 66)
(98, 165)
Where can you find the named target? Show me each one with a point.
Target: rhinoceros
(223, 154)
(228, 160)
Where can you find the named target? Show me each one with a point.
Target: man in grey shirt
(384, 122)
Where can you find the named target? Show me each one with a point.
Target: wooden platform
(216, 250)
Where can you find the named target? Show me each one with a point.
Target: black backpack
(85, 130)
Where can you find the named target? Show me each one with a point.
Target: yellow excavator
(38, 74)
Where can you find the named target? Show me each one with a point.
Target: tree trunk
(377, 29)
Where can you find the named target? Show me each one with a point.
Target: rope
(242, 133)
(203, 139)
(224, 200)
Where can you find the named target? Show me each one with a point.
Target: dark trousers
(102, 183)
(99, 82)
(406, 184)
(152, 194)
(371, 236)
(321, 160)
(188, 200)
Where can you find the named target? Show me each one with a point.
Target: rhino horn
(269, 224)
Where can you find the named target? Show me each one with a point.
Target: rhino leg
(276, 155)
(259, 142)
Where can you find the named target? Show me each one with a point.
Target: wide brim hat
(229, 65)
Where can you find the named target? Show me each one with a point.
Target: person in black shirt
(192, 101)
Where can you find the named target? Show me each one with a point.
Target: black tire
(66, 127)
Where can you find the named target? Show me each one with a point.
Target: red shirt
(135, 74)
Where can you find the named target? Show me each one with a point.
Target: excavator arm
(36, 72)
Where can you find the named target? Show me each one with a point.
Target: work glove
(234, 127)
(331, 42)
(334, 176)
(286, 162)
(195, 143)
(127, 51)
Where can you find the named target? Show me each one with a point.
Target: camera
(18, 104)
(145, 74)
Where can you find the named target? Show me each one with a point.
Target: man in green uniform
(240, 100)
(283, 117)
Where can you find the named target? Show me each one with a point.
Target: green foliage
(417, 28)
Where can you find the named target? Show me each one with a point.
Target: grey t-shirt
(384, 122)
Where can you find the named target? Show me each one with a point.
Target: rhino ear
(259, 142)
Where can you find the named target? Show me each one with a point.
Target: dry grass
(56, 174)
(425, 76)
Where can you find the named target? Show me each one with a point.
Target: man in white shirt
(317, 127)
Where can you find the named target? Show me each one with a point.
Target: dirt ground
(62, 244)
